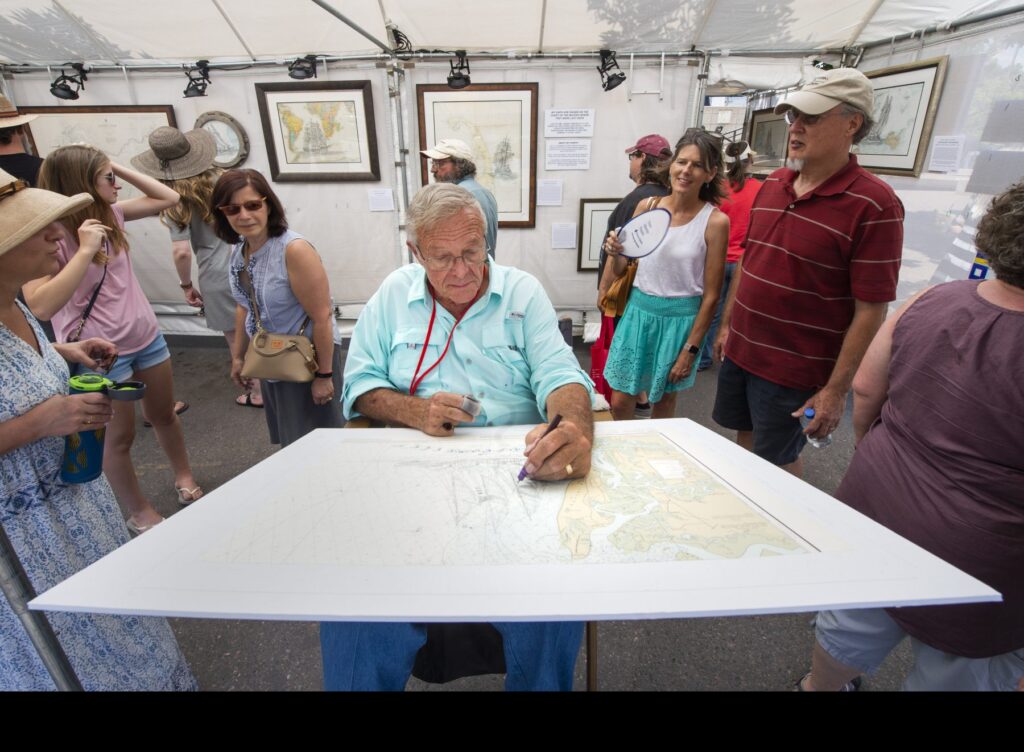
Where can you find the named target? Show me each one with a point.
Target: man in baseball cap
(821, 264)
(451, 161)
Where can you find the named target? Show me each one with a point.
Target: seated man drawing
(451, 325)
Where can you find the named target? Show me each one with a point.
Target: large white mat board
(390, 524)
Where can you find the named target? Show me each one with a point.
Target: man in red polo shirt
(821, 264)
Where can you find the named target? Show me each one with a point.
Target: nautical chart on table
(390, 524)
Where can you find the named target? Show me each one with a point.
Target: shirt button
(490, 422)
(480, 395)
(469, 361)
(792, 206)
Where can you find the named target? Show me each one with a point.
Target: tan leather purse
(281, 357)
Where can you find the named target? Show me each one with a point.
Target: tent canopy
(147, 32)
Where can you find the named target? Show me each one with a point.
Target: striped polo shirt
(807, 260)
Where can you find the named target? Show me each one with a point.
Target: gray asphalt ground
(738, 653)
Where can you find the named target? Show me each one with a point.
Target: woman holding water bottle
(58, 528)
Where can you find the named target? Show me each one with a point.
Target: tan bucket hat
(25, 211)
(9, 117)
(174, 155)
(837, 86)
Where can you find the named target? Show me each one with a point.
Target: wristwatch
(692, 349)
(185, 286)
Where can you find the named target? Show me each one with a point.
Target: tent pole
(396, 101)
(697, 113)
(234, 29)
(355, 27)
(18, 588)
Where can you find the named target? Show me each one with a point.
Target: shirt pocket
(505, 349)
(407, 345)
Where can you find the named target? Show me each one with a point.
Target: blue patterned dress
(58, 529)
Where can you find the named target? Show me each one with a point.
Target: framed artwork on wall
(229, 135)
(594, 213)
(120, 131)
(499, 123)
(906, 100)
(319, 131)
(768, 137)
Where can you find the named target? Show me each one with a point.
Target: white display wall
(359, 247)
(985, 74)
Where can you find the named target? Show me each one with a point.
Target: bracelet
(185, 287)
(328, 375)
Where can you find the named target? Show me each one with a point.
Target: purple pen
(551, 427)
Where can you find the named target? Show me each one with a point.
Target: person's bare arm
(181, 252)
(716, 237)
(830, 401)
(47, 295)
(241, 346)
(157, 195)
(565, 452)
(871, 382)
(308, 280)
(436, 416)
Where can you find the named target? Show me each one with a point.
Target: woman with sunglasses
(95, 294)
(278, 271)
(58, 528)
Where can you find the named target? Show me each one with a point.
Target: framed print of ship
(499, 124)
(906, 100)
(319, 131)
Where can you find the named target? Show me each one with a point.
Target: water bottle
(83, 451)
(816, 443)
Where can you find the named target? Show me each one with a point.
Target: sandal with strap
(187, 495)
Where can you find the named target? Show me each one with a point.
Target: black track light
(67, 86)
(198, 79)
(459, 77)
(302, 68)
(611, 74)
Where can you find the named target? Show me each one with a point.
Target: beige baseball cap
(449, 147)
(837, 86)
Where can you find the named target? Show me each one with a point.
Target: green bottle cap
(90, 382)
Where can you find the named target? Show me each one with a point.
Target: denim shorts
(153, 354)
(745, 402)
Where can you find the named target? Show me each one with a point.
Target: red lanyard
(417, 379)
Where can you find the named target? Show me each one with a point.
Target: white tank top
(676, 269)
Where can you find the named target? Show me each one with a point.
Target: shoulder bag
(281, 357)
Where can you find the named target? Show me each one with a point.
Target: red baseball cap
(652, 144)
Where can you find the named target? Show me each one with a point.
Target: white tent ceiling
(148, 32)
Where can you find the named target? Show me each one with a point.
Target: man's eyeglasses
(471, 259)
(793, 115)
(231, 210)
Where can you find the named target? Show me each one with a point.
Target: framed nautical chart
(906, 100)
(499, 124)
(319, 131)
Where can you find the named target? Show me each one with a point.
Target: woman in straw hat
(184, 162)
(95, 293)
(57, 528)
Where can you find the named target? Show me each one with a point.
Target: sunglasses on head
(231, 210)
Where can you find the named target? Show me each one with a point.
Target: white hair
(437, 202)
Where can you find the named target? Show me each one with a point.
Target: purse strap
(88, 308)
(250, 294)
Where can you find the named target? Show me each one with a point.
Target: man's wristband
(692, 349)
(328, 375)
(185, 286)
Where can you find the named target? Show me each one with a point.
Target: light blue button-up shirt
(507, 351)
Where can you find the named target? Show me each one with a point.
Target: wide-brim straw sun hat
(9, 115)
(174, 155)
(24, 211)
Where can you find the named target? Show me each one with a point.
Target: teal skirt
(647, 342)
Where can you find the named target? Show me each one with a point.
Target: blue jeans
(709, 342)
(540, 656)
